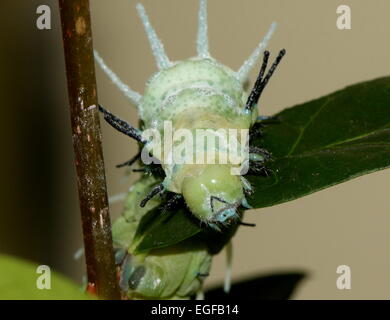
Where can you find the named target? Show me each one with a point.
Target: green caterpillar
(175, 272)
(198, 93)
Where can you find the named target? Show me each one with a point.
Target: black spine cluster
(261, 82)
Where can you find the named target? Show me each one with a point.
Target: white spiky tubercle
(196, 93)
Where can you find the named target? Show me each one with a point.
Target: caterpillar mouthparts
(214, 195)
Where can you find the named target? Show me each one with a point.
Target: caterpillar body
(175, 272)
(198, 93)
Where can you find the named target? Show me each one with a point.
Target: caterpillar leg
(256, 131)
(130, 162)
(261, 82)
(154, 170)
(258, 168)
(157, 189)
(171, 202)
(265, 118)
(259, 154)
(246, 224)
(122, 126)
(257, 159)
(247, 190)
(202, 275)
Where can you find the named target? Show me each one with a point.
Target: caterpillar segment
(175, 272)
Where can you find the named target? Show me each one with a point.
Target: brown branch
(91, 180)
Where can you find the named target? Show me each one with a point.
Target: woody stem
(80, 70)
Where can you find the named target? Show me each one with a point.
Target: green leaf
(314, 145)
(324, 142)
(18, 281)
(159, 229)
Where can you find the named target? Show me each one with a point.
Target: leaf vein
(302, 129)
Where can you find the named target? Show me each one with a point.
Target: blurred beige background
(346, 224)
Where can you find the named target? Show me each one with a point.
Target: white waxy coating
(132, 95)
(202, 42)
(162, 59)
(243, 72)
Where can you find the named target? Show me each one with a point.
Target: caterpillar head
(214, 194)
